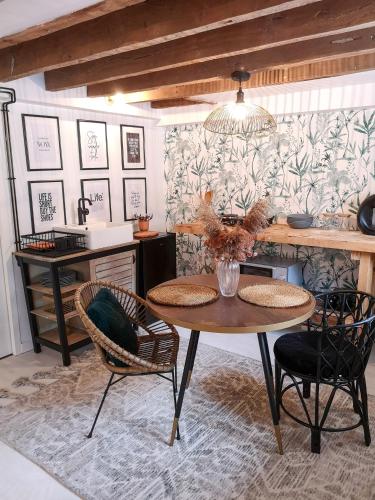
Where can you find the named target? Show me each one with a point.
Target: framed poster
(99, 193)
(42, 142)
(132, 147)
(47, 205)
(92, 145)
(135, 197)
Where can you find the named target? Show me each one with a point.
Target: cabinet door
(118, 269)
(158, 262)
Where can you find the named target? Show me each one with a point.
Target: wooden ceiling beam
(142, 25)
(66, 21)
(342, 45)
(321, 69)
(175, 103)
(310, 21)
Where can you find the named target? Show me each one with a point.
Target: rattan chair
(158, 342)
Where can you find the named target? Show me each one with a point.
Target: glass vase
(228, 275)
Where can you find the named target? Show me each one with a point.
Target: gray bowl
(300, 224)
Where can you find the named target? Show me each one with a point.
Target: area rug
(227, 450)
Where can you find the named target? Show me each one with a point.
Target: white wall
(70, 106)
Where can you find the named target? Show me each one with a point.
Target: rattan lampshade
(240, 118)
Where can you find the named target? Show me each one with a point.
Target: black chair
(333, 351)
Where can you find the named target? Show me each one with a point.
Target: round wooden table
(230, 315)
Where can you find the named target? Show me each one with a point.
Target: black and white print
(132, 147)
(135, 197)
(99, 193)
(93, 145)
(42, 142)
(47, 205)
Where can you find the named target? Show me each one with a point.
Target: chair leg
(366, 427)
(174, 381)
(355, 397)
(101, 404)
(315, 430)
(315, 439)
(306, 387)
(277, 387)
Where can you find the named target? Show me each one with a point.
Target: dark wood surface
(231, 314)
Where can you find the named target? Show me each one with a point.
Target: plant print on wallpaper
(317, 162)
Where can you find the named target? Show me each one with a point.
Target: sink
(101, 234)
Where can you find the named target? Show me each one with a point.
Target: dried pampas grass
(237, 242)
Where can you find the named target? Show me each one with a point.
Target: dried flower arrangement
(236, 242)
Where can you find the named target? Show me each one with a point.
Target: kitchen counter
(361, 246)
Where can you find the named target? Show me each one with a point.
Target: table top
(353, 241)
(231, 314)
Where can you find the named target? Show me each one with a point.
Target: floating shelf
(74, 335)
(46, 290)
(48, 311)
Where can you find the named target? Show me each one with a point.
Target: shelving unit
(57, 309)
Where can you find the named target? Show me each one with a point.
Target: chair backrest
(134, 306)
(346, 333)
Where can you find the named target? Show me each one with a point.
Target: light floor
(36, 484)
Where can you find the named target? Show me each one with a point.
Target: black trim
(124, 192)
(80, 146)
(109, 191)
(29, 169)
(122, 147)
(31, 202)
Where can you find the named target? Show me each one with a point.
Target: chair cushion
(106, 312)
(298, 352)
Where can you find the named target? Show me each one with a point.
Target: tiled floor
(37, 484)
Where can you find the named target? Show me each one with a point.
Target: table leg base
(278, 439)
(174, 430)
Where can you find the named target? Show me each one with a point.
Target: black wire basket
(53, 243)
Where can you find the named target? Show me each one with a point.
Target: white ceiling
(17, 15)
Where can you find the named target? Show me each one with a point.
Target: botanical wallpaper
(317, 162)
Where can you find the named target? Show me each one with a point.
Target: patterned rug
(227, 449)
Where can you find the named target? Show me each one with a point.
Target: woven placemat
(183, 295)
(274, 295)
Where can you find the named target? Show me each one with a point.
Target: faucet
(82, 210)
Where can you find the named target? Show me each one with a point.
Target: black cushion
(106, 313)
(298, 352)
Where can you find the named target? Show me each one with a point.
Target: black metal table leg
(29, 303)
(60, 315)
(192, 359)
(267, 368)
(188, 368)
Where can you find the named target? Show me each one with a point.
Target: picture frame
(98, 191)
(41, 134)
(133, 147)
(47, 204)
(135, 196)
(92, 145)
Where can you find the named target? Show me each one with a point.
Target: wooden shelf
(46, 290)
(47, 311)
(73, 335)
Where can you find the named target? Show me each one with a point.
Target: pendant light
(239, 118)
